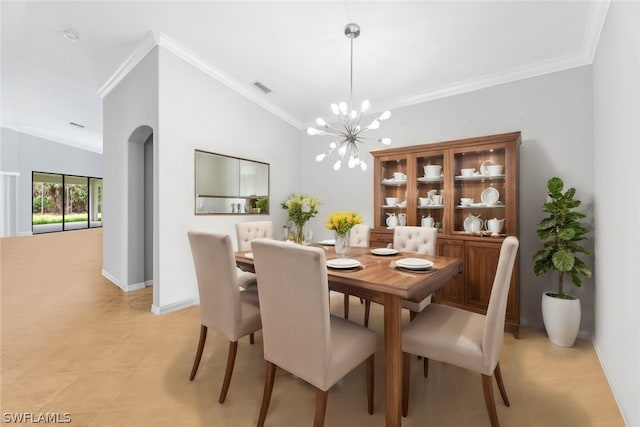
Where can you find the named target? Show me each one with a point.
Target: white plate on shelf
(384, 251)
(328, 242)
(490, 196)
(431, 178)
(249, 255)
(343, 263)
(414, 263)
(394, 181)
(483, 167)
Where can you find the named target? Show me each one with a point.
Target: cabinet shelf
(480, 178)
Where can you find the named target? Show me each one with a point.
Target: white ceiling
(408, 52)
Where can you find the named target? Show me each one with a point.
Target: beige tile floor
(74, 343)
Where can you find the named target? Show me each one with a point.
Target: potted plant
(262, 205)
(561, 233)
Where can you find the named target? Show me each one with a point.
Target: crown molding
(597, 17)
(94, 145)
(143, 49)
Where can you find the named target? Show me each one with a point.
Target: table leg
(393, 359)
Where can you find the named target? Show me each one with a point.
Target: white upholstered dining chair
(246, 232)
(314, 346)
(359, 238)
(415, 239)
(223, 306)
(463, 338)
(249, 231)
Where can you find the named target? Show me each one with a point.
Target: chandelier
(349, 132)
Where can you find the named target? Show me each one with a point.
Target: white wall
(554, 114)
(616, 82)
(130, 105)
(24, 154)
(196, 111)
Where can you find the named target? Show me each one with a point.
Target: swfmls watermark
(36, 417)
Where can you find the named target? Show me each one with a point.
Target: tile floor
(74, 343)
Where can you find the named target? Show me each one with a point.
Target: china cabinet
(468, 190)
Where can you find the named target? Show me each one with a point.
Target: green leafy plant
(561, 231)
(263, 205)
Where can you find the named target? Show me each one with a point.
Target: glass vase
(298, 233)
(342, 245)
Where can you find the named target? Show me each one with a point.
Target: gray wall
(24, 154)
(616, 72)
(554, 114)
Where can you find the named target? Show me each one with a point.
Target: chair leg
(266, 396)
(251, 339)
(361, 301)
(425, 368)
(346, 306)
(503, 391)
(196, 362)
(487, 387)
(231, 360)
(321, 407)
(367, 310)
(406, 373)
(370, 383)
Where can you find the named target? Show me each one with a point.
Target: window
(65, 202)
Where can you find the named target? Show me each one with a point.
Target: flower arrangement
(342, 222)
(300, 209)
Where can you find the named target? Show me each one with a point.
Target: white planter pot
(561, 319)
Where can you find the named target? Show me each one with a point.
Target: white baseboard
(24, 233)
(123, 286)
(605, 369)
(174, 306)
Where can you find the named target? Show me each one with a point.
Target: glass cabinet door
(479, 191)
(430, 191)
(393, 191)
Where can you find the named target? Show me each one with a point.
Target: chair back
(217, 282)
(493, 332)
(249, 231)
(294, 306)
(360, 235)
(415, 239)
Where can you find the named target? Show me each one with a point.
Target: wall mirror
(230, 185)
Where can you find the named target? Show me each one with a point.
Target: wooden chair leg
(251, 339)
(503, 391)
(196, 362)
(321, 408)
(370, 383)
(367, 310)
(425, 368)
(346, 306)
(266, 396)
(487, 387)
(231, 360)
(361, 301)
(406, 373)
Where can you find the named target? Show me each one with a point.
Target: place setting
(344, 264)
(413, 265)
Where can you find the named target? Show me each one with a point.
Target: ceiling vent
(76, 125)
(262, 87)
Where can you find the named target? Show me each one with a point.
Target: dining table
(380, 280)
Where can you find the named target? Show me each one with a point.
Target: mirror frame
(231, 199)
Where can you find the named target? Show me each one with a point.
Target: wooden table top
(377, 276)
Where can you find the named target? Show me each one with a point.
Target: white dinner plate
(483, 167)
(414, 263)
(249, 255)
(490, 196)
(384, 251)
(343, 263)
(328, 242)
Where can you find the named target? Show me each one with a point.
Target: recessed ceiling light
(76, 125)
(71, 35)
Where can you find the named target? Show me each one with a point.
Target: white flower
(306, 205)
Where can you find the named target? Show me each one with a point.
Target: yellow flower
(341, 222)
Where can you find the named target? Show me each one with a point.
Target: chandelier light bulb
(354, 114)
(385, 115)
(385, 141)
(320, 122)
(352, 162)
(336, 165)
(374, 125)
(365, 106)
(320, 157)
(363, 166)
(335, 109)
(312, 131)
(342, 150)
